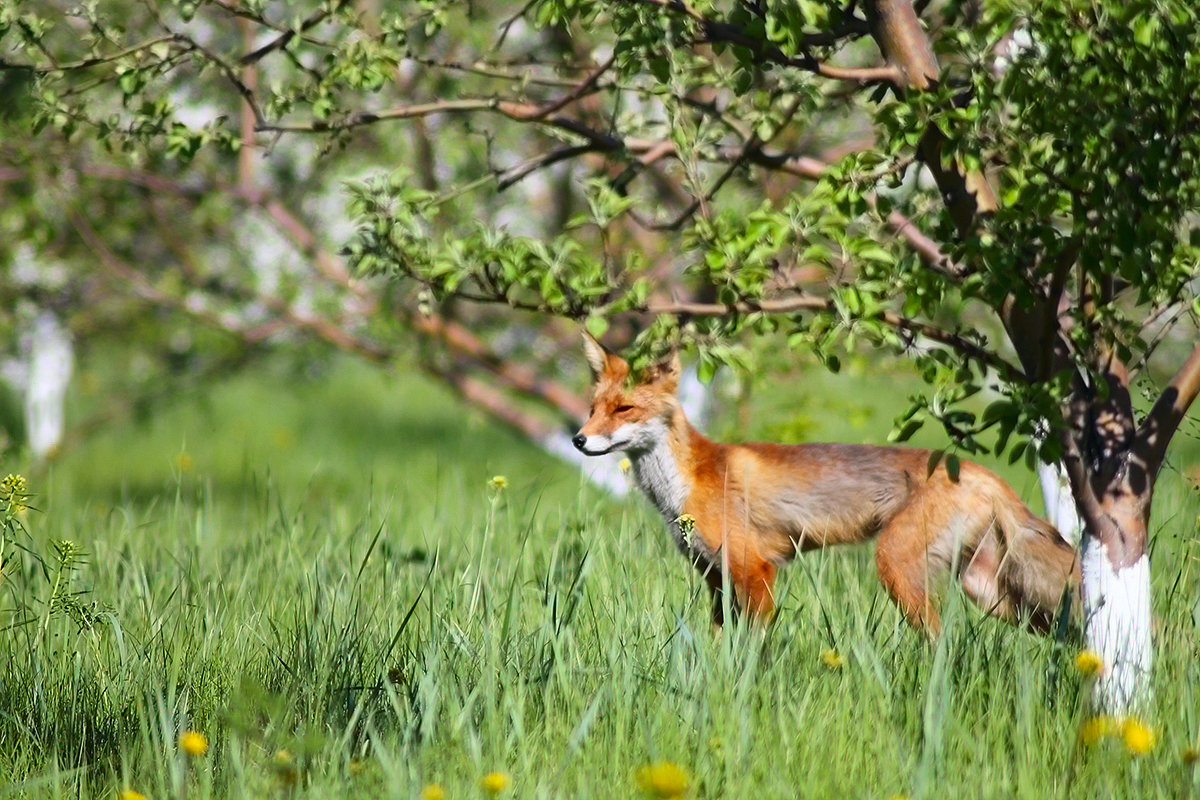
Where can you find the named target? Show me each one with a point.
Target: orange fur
(755, 505)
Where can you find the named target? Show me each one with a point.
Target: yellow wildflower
(495, 782)
(662, 779)
(833, 659)
(686, 522)
(184, 462)
(1138, 736)
(498, 482)
(1096, 729)
(1088, 663)
(283, 438)
(625, 465)
(131, 794)
(285, 766)
(433, 791)
(1189, 755)
(193, 743)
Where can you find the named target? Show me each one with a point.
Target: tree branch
(1168, 412)
(719, 31)
(805, 302)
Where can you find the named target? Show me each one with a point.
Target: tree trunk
(1116, 596)
(1060, 503)
(1116, 608)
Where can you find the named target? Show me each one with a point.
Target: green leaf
(596, 325)
(906, 431)
(952, 467)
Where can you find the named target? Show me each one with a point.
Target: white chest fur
(658, 476)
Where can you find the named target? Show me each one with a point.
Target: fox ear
(666, 372)
(597, 356)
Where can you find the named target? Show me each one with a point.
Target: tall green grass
(329, 587)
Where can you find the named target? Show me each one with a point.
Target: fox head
(626, 416)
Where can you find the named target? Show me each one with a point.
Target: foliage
(683, 128)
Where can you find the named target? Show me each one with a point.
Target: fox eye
(623, 409)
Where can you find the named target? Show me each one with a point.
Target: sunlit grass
(376, 613)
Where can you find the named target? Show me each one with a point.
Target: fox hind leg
(982, 579)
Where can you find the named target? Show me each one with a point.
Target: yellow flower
(686, 522)
(495, 782)
(1138, 736)
(1189, 755)
(283, 438)
(1096, 729)
(285, 766)
(498, 482)
(662, 779)
(193, 743)
(184, 462)
(1088, 663)
(625, 465)
(833, 659)
(898, 797)
(131, 794)
(433, 791)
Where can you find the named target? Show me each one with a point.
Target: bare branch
(312, 20)
(1168, 412)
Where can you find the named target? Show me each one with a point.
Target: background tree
(1006, 191)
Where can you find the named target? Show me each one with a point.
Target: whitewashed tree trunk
(51, 359)
(1116, 603)
(1061, 511)
(1116, 609)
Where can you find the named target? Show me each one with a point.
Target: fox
(739, 512)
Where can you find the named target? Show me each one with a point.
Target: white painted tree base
(1116, 608)
(1060, 503)
(51, 359)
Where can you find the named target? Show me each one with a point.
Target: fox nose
(579, 440)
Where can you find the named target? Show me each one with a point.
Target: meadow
(353, 586)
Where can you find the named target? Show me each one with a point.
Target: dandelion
(131, 794)
(1189, 755)
(625, 465)
(833, 659)
(283, 438)
(433, 791)
(1096, 729)
(284, 766)
(495, 782)
(193, 743)
(1139, 737)
(1088, 663)
(498, 482)
(662, 779)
